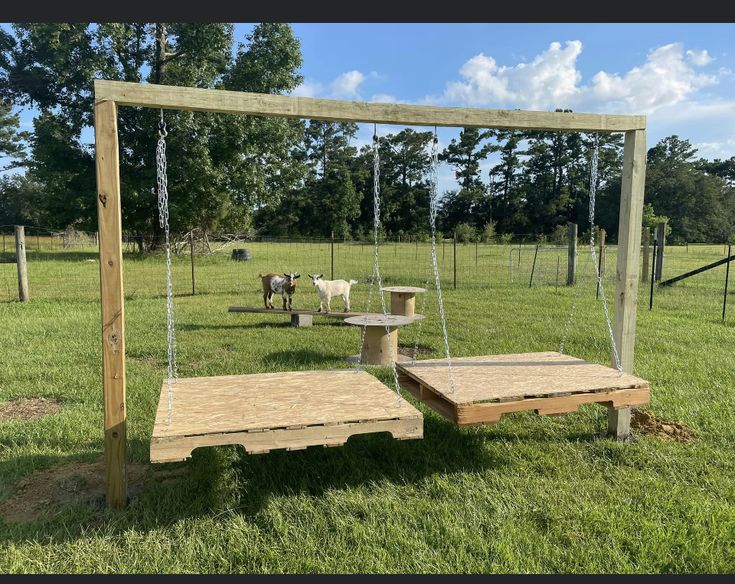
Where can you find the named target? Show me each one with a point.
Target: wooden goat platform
(334, 314)
(270, 411)
(488, 387)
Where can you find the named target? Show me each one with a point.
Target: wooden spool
(381, 337)
(403, 299)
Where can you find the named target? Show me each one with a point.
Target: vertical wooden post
(727, 278)
(454, 260)
(661, 244)
(191, 249)
(20, 262)
(629, 241)
(331, 247)
(601, 262)
(646, 236)
(111, 301)
(571, 253)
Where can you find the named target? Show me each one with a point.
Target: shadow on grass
(226, 480)
(289, 357)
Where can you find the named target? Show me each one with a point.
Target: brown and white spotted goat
(284, 285)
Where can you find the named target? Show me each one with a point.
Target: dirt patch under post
(46, 492)
(645, 422)
(27, 409)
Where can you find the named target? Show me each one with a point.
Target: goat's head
(315, 278)
(291, 277)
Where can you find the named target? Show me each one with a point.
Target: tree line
(294, 177)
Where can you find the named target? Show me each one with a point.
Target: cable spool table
(381, 336)
(403, 299)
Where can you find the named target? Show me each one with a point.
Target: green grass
(530, 494)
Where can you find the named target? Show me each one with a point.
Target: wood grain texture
(516, 376)
(496, 396)
(333, 314)
(380, 320)
(629, 241)
(278, 410)
(236, 102)
(20, 262)
(111, 301)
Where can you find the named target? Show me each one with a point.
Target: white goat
(327, 289)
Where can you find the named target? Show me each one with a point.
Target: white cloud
(552, 80)
(347, 84)
(699, 58)
(308, 89)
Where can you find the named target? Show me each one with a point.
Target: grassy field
(530, 494)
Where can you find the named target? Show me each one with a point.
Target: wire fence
(64, 265)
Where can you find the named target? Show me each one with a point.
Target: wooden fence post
(661, 243)
(20, 259)
(727, 278)
(454, 261)
(571, 253)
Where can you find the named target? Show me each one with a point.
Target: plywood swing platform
(290, 410)
(487, 387)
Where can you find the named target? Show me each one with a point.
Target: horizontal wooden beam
(259, 104)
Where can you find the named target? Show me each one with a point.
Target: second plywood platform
(291, 410)
(489, 386)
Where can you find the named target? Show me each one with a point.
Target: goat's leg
(270, 299)
(346, 298)
(265, 299)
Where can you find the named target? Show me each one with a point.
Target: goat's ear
(287, 275)
(320, 276)
(297, 275)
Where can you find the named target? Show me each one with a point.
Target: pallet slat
(489, 386)
(291, 411)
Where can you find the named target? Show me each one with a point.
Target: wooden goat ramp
(490, 386)
(291, 410)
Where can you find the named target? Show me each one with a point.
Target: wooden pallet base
(546, 383)
(271, 411)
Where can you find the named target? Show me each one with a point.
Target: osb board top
(405, 289)
(238, 403)
(380, 320)
(517, 376)
(263, 310)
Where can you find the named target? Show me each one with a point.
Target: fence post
(653, 275)
(533, 267)
(331, 252)
(191, 249)
(454, 261)
(661, 244)
(727, 278)
(571, 253)
(645, 237)
(20, 260)
(600, 262)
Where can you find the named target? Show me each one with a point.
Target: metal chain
(376, 277)
(163, 216)
(603, 299)
(433, 209)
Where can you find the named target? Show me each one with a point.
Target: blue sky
(682, 76)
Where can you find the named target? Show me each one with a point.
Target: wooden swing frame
(111, 94)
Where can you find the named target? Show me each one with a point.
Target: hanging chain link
(433, 209)
(163, 215)
(376, 277)
(603, 299)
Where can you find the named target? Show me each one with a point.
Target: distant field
(530, 494)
